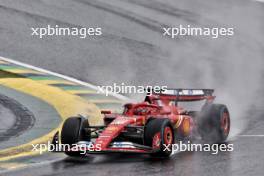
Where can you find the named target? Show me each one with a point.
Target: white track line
(259, 0)
(252, 135)
(121, 97)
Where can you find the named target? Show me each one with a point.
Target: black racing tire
(214, 123)
(73, 131)
(161, 126)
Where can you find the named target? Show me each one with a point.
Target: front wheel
(73, 131)
(159, 134)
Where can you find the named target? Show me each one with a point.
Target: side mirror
(106, 112)
(165, 111)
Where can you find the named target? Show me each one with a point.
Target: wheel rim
(156, 141)
(225, 123)
(168, 137)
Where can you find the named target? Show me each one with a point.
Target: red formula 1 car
(150, 126)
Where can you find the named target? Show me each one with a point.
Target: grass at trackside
(4, 74)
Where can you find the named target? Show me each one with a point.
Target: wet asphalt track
(133, 50)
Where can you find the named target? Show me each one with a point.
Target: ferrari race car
(149, 127)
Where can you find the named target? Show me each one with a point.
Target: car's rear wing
(188, 92)
(182, 95)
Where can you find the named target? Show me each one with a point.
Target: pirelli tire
(74, 129)
(158, 134)
(214, 123)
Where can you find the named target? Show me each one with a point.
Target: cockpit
(140, 109)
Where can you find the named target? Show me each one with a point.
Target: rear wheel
(214, 124)
(159, 135)
(74, 130)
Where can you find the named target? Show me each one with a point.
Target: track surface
(7, 120)
(20, 118)
(132, 50)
